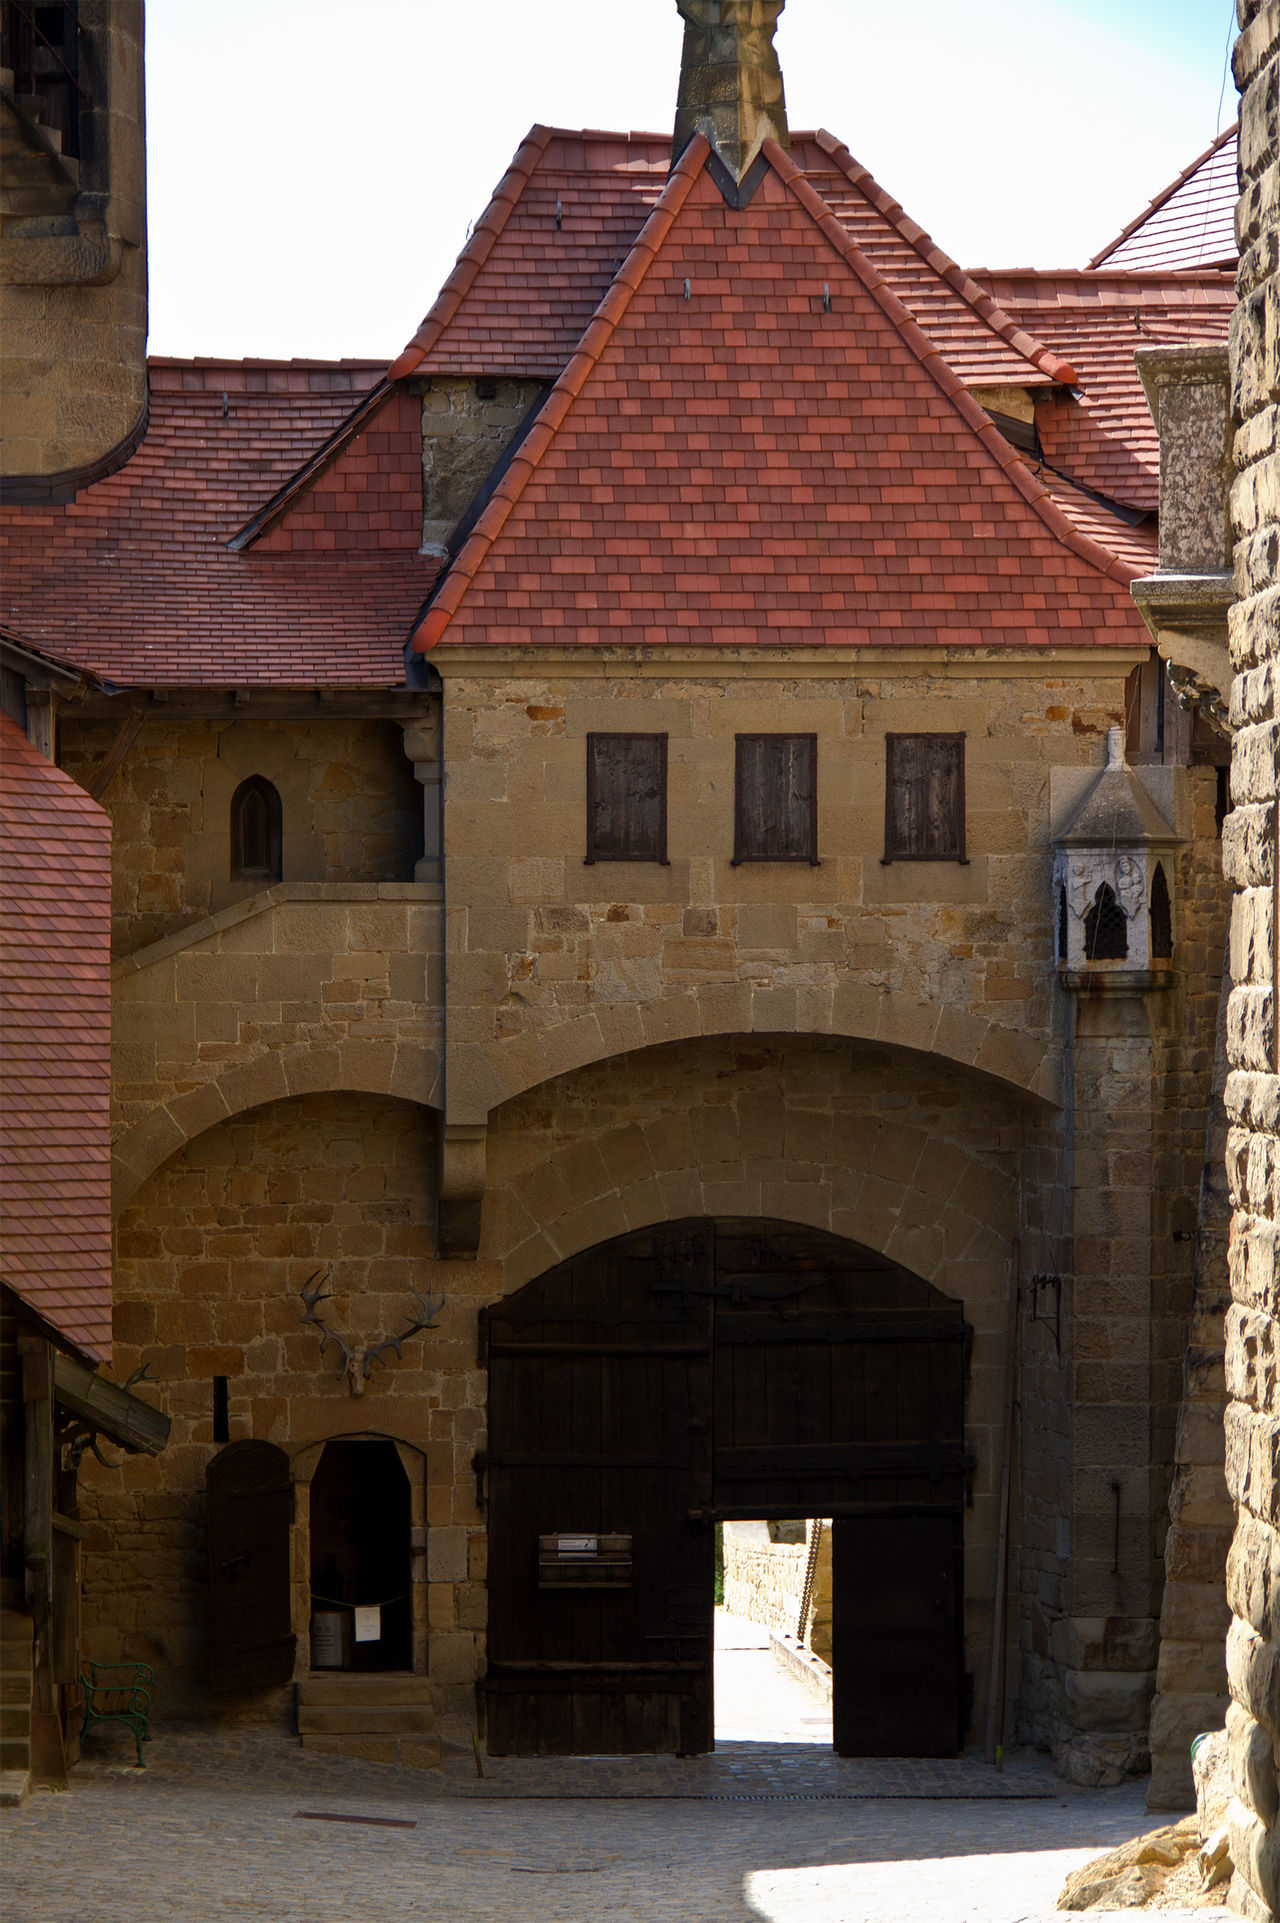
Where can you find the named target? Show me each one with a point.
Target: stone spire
(730, 80)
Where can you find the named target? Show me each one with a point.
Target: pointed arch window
(256, 839)
(1106, 930)
(1161, 917)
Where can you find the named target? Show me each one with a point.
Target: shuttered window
(776, 798)
(924, 797)
(626, 797)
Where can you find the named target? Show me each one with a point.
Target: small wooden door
(599, 1399)
(249, 1498)
(897, 1653)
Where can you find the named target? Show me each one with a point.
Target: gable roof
(55, 1024)
(568, 211)
(769, 464)
(135, 579)
(1191, 223)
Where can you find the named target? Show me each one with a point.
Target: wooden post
(1000, 1600)
(48, 1761)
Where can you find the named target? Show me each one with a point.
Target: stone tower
(1251, 849)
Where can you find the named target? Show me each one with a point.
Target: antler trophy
(358, 1363)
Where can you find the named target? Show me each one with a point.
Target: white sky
(313, 166)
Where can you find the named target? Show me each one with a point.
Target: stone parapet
(308, 986)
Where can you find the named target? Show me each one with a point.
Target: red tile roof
(1105, 438)
(1190, 224)
(135, 580)
(55, 1028)
(567, 212)
(726, 460)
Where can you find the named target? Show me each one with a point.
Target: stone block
(1109, 1700)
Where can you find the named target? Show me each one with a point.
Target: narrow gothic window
(1106, 931)
(255, 831)
(1161, 917)
(1062, 924)
(776, 798)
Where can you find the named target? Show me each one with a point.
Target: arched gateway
(712, 1370)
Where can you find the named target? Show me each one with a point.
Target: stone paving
(236, 1825)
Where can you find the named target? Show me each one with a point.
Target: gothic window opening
(256, 838)
(924, 797)
(1161, 917)
(1106, 929)
(1062, 924)
(775, 816)
(626, 797)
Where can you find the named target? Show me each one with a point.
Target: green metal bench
(124, 1700)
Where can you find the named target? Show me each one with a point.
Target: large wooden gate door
(736, 1370)
(601, 1545)
(839, 1391)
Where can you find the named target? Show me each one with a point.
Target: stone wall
(764, 1581)
(464, 433)
(212, 1253)
(551, 963)
(1251, 849)
(352, 810)
(302, 988)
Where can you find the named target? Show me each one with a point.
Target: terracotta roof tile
(1105, 437)
(134, 579)
(55, 1028)
(567, 212)
(740, 465)
(1190, 224)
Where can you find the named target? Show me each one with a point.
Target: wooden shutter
(924, 797)
(626, 797)
(250, 1507)
(776, 798)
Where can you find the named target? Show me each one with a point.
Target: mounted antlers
(358, 1363)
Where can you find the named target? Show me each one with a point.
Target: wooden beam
(116, 753)
(109, 1408)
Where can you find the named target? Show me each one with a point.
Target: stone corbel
(463, 1147)
(422, 745)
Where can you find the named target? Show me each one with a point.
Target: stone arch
(795, 1127)
(304, 1460)
(1021, 1060)
(361, 1068)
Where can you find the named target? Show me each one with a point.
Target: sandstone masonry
(1253, 1091)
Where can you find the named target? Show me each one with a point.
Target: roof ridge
(957, 279)
(930, 357)
(600, 329)
(1153, 206)
(475, 253)
(313, 467)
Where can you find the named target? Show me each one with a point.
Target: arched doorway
(709, 1370)
(361, 1554)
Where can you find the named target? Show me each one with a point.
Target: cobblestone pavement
(238, 1825)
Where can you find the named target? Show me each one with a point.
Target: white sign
(369, 1623)
(578, 1548)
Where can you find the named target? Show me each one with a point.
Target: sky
(313, 168)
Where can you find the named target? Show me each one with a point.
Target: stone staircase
(40, 182)
(16, 1635)
(378, 1718)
